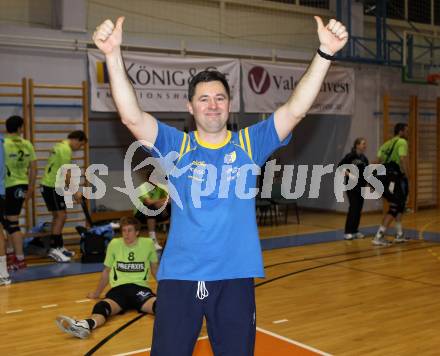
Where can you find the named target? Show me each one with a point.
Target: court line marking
(47, 306)
(341, 261)
(310, 348)
(149, 348)
(114, 333)
(82, 301)
(280, 321)
(14, 311)
(314, 258)
(297, 343)
(424, 227)
(422, 231)
(390, 276)
(264, 331)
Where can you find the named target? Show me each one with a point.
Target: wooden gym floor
(340, 297)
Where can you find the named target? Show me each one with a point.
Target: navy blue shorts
(14, 197)
(54, 202)
(130, 296)
(228, 307)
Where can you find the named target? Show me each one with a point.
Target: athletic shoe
(20, 264)
(4, 281)
(77, 328)
(115, 225)
(10, 261)
(14, 264)
(58, 256)
(359, 235)
(380, 241)
(348, 236)
(66, 252)
(400, 238)
(10, 258)
(379, 235)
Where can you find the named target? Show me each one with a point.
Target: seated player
(153, 196)
(127, 267)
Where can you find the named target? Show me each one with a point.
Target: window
(323, 4)
(437, 12)
(419, 11)
(395, 8)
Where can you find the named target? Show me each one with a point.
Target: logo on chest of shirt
(230, 157)
(130, 266)
(231, 172)
(197, 169)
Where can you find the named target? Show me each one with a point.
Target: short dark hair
(13, 123)
(207, 76)
(78, 135)
(399, 127)
(129, 220)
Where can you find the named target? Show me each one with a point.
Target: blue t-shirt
(214, 236)
(2, 166)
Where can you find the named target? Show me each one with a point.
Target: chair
(278, 200)
(265, 207)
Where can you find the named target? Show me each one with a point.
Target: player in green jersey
(5, 279)
(21, 168)
(394, 155)
(128, 263)
(61, 154)
(153, 196)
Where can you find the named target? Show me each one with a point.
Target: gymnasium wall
(239, 23)
(27, 12)
(317, 140)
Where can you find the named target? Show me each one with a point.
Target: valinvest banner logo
(259, 80)
(267, 86)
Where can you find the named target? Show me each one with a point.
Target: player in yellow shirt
(128, 263)
(153, 196)
(21, 169)
(61, 154)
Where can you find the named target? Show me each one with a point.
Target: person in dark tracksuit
(356, 201)
(213, 250)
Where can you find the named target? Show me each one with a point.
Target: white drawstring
(202, 292)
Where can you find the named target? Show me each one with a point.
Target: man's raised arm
(332, 38)
(108, 38)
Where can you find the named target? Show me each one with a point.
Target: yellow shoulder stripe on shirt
(240, 137)
(185, 147)
(182, 147)
(188, 146)
(247, 148)
(248, 141)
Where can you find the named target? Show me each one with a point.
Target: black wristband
(325, 55)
